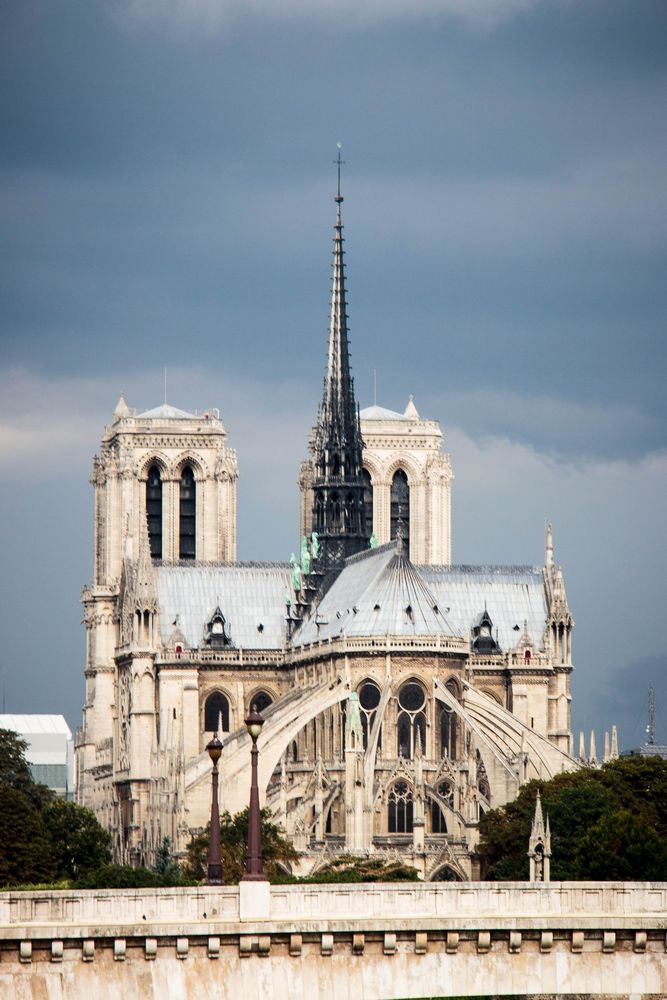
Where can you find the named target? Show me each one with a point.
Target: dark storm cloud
(166, 200)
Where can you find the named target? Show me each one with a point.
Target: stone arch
(447, 873)
(216, 689)
(406, 464)
(492, 694)
(256, 692)
(154, 458)
(196, 463)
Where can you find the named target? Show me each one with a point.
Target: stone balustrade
(366, 941)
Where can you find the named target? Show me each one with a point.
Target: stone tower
(164, 489)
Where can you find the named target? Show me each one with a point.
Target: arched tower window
(448, 726)
(368, 502)
(399, 809)
(400, 507)
(154, 511)
(187, 515)
(216, 706)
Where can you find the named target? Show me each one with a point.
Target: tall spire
(338, 486)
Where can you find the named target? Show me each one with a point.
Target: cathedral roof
(382, 413)
(377, 593)
(168, 412)
(512, 595)
(250, 595)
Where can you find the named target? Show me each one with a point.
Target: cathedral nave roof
(249, 594)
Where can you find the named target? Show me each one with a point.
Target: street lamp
(214, 876)
(254, 871)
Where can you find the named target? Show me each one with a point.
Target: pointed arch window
(399, 809)
(411, 720)
(438, 821)
(369, 699)
(216, 710)
(187, 515)
(448, 726)
(368, 502)
(400, 507)
(154, 511)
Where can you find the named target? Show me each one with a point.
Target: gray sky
(166, 199)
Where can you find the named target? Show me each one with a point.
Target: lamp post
(254, 871)
(214, 871)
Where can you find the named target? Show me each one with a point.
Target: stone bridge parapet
(367, 941)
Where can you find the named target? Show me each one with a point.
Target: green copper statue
(315, 545)
(305, 556)
(373, 542)
(296, 574)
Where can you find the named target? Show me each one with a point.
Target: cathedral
(403, 695)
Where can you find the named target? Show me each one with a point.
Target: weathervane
(339, 163)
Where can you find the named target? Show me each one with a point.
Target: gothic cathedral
(402, 695)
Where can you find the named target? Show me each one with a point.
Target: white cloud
(342, 14)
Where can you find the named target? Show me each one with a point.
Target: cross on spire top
(339, 163)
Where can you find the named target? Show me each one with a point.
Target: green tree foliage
(78, 842)
(15, 770)
(127, 877)
(621, 847)
(277, 852)
(25, 848)
(580, 805)
(349, 868)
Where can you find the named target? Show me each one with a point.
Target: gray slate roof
(377, 593)
(380, 584)
(511, 594)
(249, 594)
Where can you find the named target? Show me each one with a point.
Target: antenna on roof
(165, 385)
(375, 387)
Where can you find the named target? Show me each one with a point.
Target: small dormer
(215, 632)
(482, 635)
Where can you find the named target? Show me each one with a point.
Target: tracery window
(411, 719)
(399, 808)
(400, 507)
(369, 699)
(216, 710)
(154, 511)
(438, 823)
(448, 726)
(187, 512)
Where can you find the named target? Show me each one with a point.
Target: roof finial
(339, 163)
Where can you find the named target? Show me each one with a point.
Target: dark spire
(338, 514)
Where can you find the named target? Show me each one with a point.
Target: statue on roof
(305, 556)
(315, 545)
(373, 541)
(296, 574)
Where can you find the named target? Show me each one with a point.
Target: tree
(276, 850)
(15, 770)
(619, 848)
(25, 849)
(582, 805)
(349, 868)
(78, 842)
